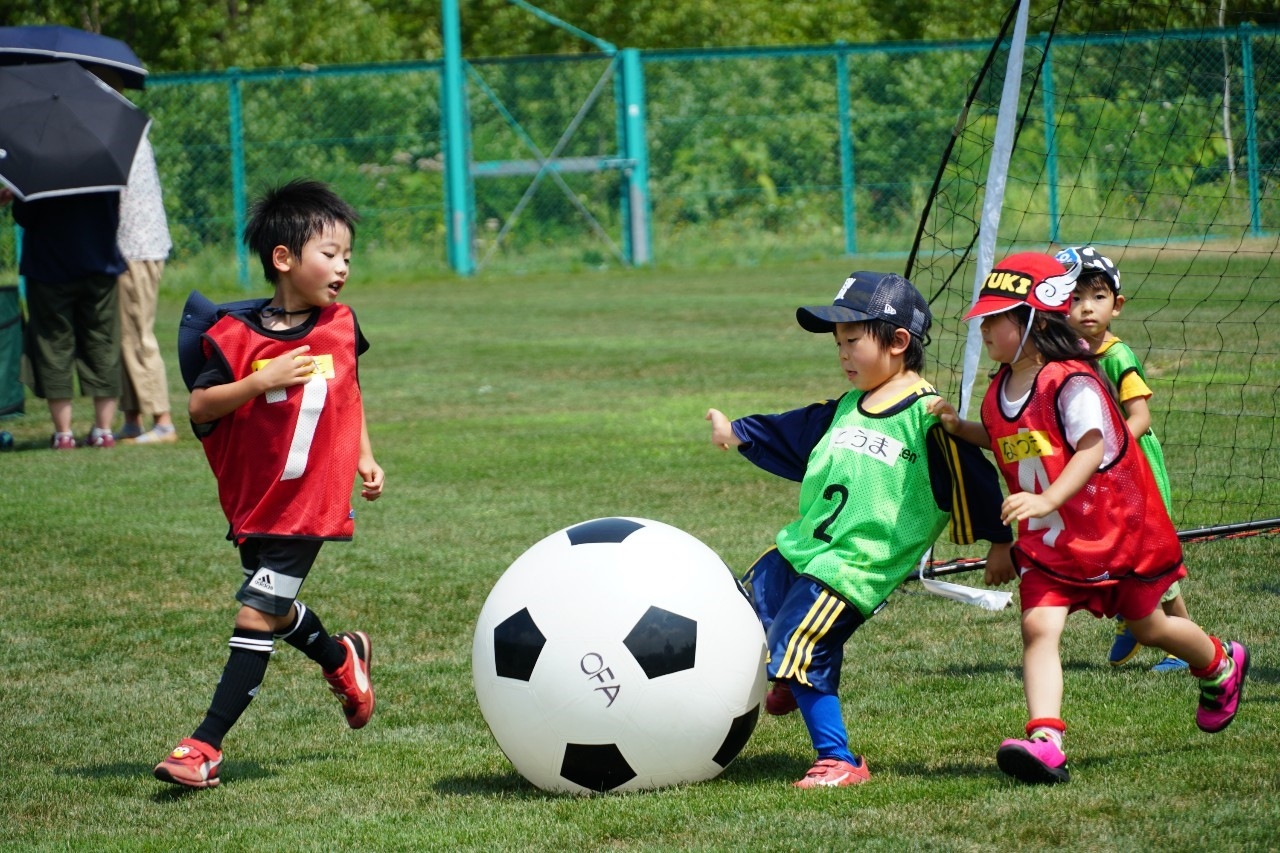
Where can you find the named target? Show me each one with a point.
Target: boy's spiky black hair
(290, 215)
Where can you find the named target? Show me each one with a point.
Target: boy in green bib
(879, 482)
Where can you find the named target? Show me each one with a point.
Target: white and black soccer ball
(619, 654)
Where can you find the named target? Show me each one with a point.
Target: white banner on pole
(993, 195)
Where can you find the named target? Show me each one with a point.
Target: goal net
(1150, 132)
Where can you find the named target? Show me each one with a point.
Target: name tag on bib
(875, 445)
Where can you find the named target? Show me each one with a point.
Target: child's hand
(946, 414)
(371, 477)
(1020, 506)
(721, 430)
(1000, 568)
(293, 368)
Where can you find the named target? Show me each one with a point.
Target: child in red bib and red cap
(1093, 532)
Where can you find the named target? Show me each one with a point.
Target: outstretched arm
(779, 444)
(722, 435)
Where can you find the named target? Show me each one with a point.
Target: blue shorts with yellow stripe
(806, 625)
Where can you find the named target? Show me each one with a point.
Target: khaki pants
(145, 387)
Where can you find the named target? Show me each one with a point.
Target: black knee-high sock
(308, 636)
(241, 677)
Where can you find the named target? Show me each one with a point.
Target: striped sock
(307, 635)
(241, 678)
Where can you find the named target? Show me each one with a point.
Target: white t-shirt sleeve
(1081, 408)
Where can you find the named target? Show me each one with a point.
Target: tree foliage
(178, 35)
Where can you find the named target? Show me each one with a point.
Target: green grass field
(503, 410)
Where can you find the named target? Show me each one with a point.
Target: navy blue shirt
(67, 238)
(781, 444)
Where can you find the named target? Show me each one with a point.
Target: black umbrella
(63, 131)
(51, 43)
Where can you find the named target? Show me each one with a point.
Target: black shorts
(274, 570)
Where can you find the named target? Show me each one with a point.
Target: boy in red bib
(1093, 532)
(278, 410)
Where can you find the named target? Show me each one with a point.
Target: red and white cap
(1029, 278)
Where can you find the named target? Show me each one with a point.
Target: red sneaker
(350, 682)
(834, 773)
(99, 438)
(192, 763)
(779, 701)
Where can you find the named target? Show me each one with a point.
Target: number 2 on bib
(835, 490)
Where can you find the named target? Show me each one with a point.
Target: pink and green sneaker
(1220, 697)
(1036, 761)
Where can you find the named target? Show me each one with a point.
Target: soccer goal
(1150, 132)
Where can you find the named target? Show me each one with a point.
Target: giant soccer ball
(619, 654)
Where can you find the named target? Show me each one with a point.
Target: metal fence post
(238, 196)
(457, 156)
(1250, 129)
(636, 149)
(846, 153)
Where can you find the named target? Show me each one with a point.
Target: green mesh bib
(1117, 360)
(867, 512)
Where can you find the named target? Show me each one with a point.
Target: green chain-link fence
(752, 153)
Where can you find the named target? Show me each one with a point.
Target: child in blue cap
(880, 480)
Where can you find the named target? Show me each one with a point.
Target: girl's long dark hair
(1052, 335)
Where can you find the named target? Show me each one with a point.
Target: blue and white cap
(1091, 260)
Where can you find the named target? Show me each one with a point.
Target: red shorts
(1131, 597)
